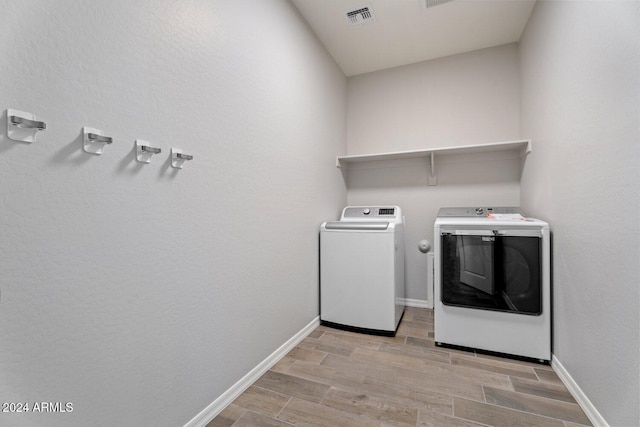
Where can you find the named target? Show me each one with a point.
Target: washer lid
(360, 225)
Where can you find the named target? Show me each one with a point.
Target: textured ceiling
(405, 31)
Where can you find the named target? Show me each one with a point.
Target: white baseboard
(419, 303)
(218, 405)
(592, 413)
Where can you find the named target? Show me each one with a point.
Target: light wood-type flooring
(337, 378)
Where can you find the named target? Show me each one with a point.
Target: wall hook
(144, 151)
(178, 158)
(94, 140)
(23, 126)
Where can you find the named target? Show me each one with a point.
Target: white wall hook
(144, 151)
(178, 158)
(23, 126)
(94, 140)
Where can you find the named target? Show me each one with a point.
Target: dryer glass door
(476, 255)
(492, 270)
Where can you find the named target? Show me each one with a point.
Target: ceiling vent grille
(360, 16)
(432, 3)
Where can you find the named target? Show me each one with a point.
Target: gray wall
(466, 99)
(580, 75)
(138, 292)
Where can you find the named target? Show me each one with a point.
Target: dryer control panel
(478, 211)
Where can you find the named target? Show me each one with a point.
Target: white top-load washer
(493, 281)
(362, 270)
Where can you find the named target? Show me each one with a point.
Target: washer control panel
(370, 212)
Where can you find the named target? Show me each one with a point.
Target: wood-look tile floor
(337, 378)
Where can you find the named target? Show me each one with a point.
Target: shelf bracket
(433, 178)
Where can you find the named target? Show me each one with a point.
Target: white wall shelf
(523, 147)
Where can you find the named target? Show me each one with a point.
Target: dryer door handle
(476, 232)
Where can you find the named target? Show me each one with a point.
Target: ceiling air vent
(431, 3)
(361, 15)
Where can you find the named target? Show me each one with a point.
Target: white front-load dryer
(493, 281)
(362, 270)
